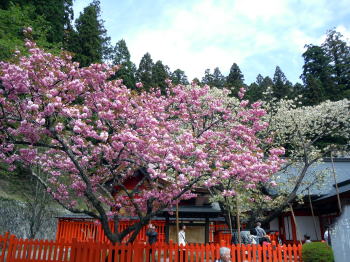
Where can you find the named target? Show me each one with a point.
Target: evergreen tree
(314, 92)
(235, 79)
(253, 92)
(256, 90)
(281, 86)
(144, 72)
(179, 77)
(207, 79)
(298, 89)
(12, 22)
(196, 81)
(89, 43)
(259, 79)
(339, 53)
(317, 75)
(58, 14)
(159, 75)
(5, 4)
(127, 70)
(218, 79)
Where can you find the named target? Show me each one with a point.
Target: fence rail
(13, 249)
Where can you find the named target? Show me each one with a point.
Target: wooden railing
(13, 249)
(84, 230)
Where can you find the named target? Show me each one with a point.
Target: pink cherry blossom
(85, 131)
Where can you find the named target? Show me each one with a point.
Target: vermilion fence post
(264, 252)
(238, 252)
(73, 251)
(300, 248)
(249, 249)
(254, 253)
(289, 252)
(3, 243)
(11, 246)
(295, 253)
(171, 250)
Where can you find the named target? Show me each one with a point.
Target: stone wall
(15, 218)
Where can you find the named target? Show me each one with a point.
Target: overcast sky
(194, 35)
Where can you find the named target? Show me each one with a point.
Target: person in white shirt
(182, 235)
(327, 236)
(307, 239)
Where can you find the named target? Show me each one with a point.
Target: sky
(194, 35)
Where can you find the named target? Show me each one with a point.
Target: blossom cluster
(86, 131)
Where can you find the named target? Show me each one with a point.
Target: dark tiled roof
(342, 170)
(333, 192)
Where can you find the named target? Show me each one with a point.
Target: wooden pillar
(281, 227)
(167, 229)
(312, 213)
(336, 185)
(206, 230)
(295, 230)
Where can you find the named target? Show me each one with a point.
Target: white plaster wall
(274, 225)
(288, 228)
(306, 226)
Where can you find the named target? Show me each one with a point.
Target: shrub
(317, 252)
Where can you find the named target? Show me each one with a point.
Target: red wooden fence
(83, 230)
(13, 249)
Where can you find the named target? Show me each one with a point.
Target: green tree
(144, 72)
(298, 89)
(314, 92)
(4, 4)
(89, 42)
(12, 22)
(281, 86)
(159, 75)
(339, 54)
(179, 77)
(235, 79)
(317, 75)
(127, 70)
(196, 81)
(257, 89)
(57, 13)
(207, 79)
(218, 78)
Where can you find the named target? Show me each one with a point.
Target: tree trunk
(291, 197)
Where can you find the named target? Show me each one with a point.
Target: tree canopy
(89, 135)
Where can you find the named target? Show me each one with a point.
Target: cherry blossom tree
(308, 133)
(89, 135)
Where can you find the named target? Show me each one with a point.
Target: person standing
(152, 234)
(327, 236)
(260, 232)
(152, 238)
(307, 239)
(182, 235)
(225, 255)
